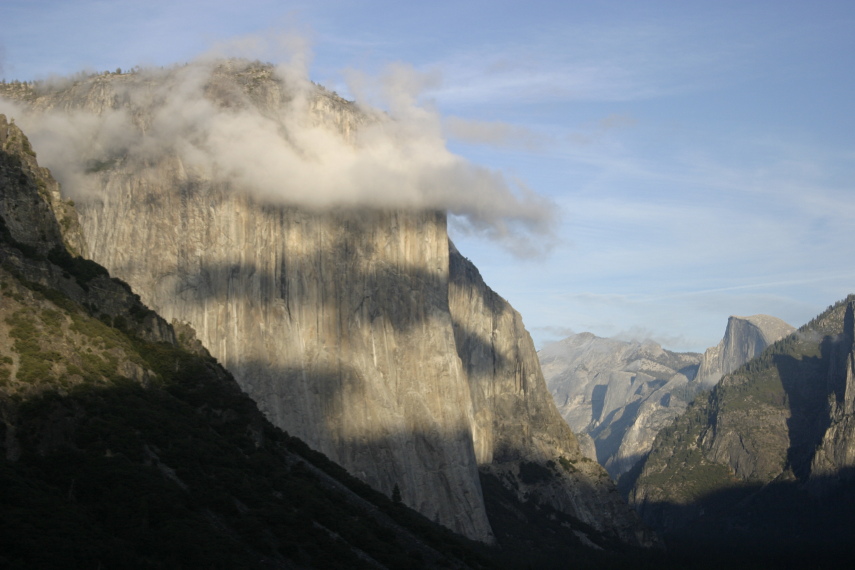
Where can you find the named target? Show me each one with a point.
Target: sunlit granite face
(359, 330)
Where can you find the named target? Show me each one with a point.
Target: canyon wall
(358, 329)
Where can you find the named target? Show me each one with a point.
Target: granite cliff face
(517, 430)
(359, 330)
(41, 219)
(620, 394)
(123, 444)
(744, 338)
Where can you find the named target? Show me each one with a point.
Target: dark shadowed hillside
(123, 443)
(761, 467)
(126, 445)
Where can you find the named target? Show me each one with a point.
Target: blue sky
(701, 155)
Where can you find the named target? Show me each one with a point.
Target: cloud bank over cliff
(302, 150)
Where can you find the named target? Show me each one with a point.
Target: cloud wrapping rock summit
(393, 159)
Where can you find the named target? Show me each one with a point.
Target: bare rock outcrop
(617, 393)
(40, 218)
(39, 222)
(519, 435)
(834, 460)
(744, 338)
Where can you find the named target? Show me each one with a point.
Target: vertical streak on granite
(337, 324)
(515, 419)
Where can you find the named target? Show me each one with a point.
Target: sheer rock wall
(357, 330)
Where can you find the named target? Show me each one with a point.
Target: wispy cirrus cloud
(585, 63)
(496, 133)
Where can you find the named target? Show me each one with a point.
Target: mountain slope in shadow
(762, 463)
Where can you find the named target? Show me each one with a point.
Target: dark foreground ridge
(777, 525)
(760, 470)
(124, 444)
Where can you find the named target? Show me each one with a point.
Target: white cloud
(292, 153)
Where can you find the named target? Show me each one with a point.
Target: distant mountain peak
(744, 338)
(621, 393)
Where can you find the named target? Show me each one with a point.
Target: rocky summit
(361, 330)
(744, 338)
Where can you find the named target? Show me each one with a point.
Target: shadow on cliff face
(387, 430)
(525, 529)
(315, 292)
(782, 523)
(406, 299)
(350, 276)
(777, 525)
(807, 398)
(609, 435)
(363, 423)
(810, 383)
(531, 534)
